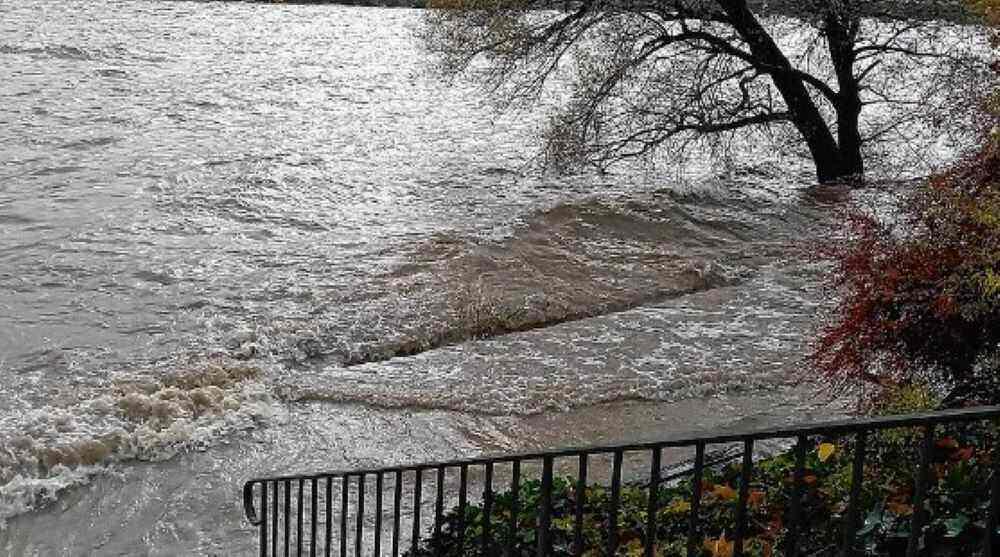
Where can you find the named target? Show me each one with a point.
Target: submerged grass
(478, 310)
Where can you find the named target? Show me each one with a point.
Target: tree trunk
(845, 163)
(843, 23)
(833, 167)
(834, 162)
(849, 139)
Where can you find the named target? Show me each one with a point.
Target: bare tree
(647, 74)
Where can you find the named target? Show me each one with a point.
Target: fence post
(545, 521)
(854, 503)
(923, 478)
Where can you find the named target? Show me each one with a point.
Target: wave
(89, 143)
(668, 259)
(50, 449)
(481, 310)
(64, 52)
(573, 262)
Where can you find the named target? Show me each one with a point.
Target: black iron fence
(387, 510)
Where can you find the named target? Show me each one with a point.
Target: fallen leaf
(963, 454)
(720, 547)
(825, 451)
(947, 443)
(678, 506)
(899, 509)
(724, 492)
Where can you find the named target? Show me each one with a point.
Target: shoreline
(190, 504)
(952, 12)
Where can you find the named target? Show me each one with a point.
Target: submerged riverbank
(149, 508)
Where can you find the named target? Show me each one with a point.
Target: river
(240, 239)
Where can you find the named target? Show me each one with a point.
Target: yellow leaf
(825, 451)
(679, 506)
(724, 492)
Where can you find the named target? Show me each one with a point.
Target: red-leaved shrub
(920, 299)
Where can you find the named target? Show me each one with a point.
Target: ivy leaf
(956, 525)
(873, 520)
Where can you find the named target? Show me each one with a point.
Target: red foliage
(926, 300)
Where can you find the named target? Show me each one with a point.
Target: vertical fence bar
(397, 498)
(345, 491)
(795, 511)
(652, 505)
(439, 510)
(263, 519)
(515, 506)
(314, 517)
(359, 527)
(418, 480)
(545, 519)
(379, 485)
(274, 519)
(923, 478)
(989, 543)
(288, 516)
(693, 526)
(581, 500)
(463, 487)
(616, 493)
(487, 509)
(329, 517)
(298, 519)
(853, 514)
(741, 506)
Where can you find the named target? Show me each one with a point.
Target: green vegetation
(956, 505)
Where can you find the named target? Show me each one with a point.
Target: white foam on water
(46, 450)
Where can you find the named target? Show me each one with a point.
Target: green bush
(956, 505)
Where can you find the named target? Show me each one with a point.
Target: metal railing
(312, 527)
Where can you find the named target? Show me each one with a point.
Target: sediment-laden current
(238, 239)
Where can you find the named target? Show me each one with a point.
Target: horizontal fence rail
(395, 510)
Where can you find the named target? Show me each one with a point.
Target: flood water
(239, 239)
